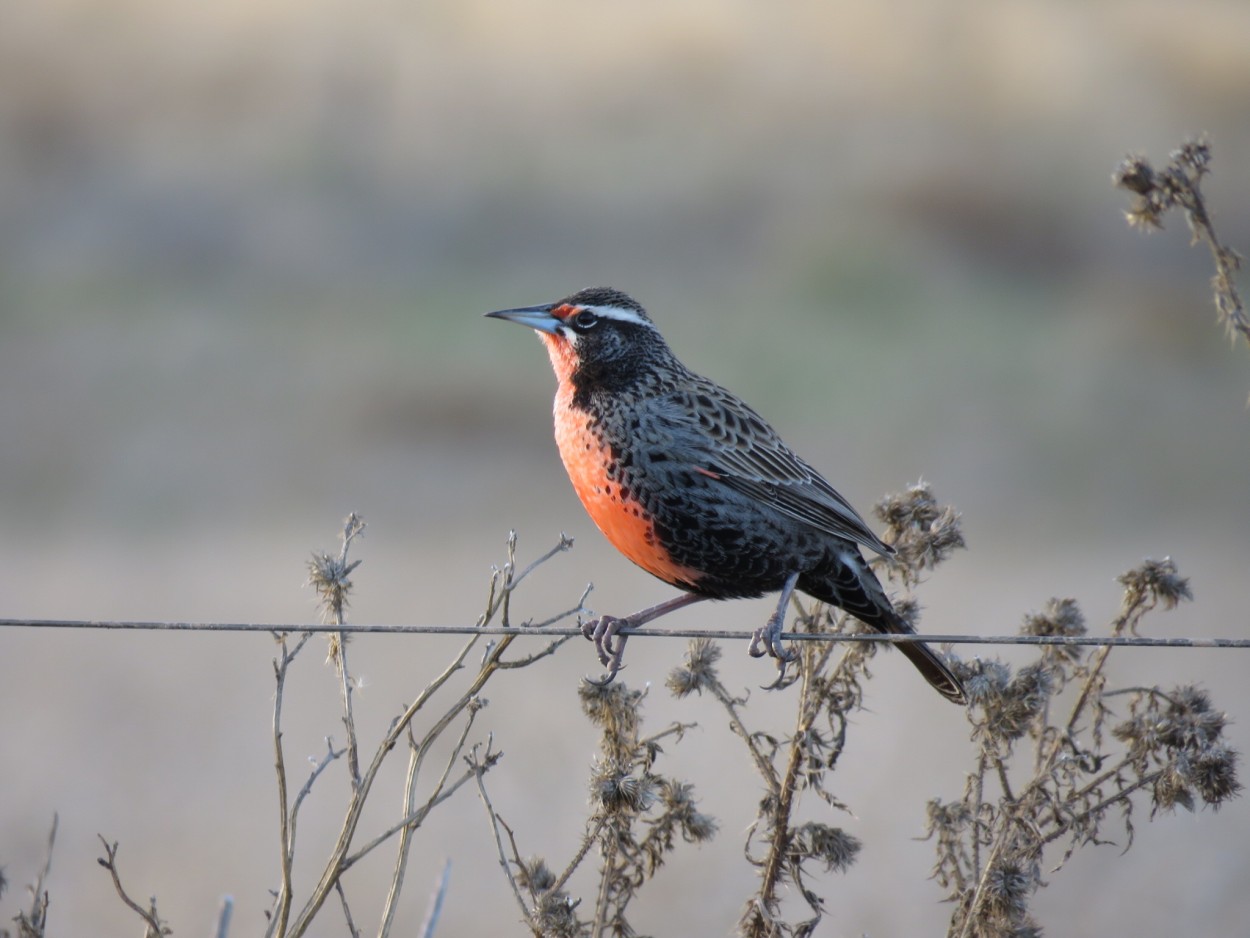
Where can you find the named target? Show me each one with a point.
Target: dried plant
(153, 927)
(828, 678)
(637, 817)
(1085, 768)
(329, 578)
(32, 922)
(1179, 185)
(436, 711)
(1075, 783)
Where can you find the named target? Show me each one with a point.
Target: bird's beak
(536, 317)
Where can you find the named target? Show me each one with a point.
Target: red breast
(587, 458)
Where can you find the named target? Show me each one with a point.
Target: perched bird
(695, 487)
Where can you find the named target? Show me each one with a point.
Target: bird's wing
(725, 439)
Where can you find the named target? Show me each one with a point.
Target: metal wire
(1132, 641)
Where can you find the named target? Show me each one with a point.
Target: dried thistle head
(1060, 617)
(1157, 191)
(1155, 581)
(1171, 789)
(983, 679)
(1136, 175)
(616, 788)
(699, 670)
(1209, 773)
(1194, 156)
(534, 874)
(1008, 887)
(1021, 702)
(1189, 721)
(1182, 734)
(1001, 902)
(946, 816)
(832, 846)
(678, 804)
(1212, 772)
(330, 578)
(922, 532)
(614, 708)
(1008, 704)
(556, 915)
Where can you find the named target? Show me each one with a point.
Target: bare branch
(153, 927)
(480, 767)
(416, 758)
(282, 902)
(338, 860)
(347, 912)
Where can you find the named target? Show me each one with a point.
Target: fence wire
(1130, 641)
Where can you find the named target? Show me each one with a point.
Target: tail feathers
(935, 671)
(852, 586)
(927, 661)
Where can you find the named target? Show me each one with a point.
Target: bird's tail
(856, 589)
(936, 671)
(927, 661)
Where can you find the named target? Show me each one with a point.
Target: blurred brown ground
(244, 249)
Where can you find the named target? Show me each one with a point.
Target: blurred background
(244, 252)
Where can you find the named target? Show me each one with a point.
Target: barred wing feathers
(736, 446)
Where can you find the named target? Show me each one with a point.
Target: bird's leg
(610, 644)
(767, 641)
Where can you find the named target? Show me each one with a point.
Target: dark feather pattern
(734, 443)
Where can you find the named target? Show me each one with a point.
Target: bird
(695, 487)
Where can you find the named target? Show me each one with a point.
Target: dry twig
(1179, 185)
(153, 926)
(330, 576)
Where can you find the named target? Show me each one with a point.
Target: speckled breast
(614, 508)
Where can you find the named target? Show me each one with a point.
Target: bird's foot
(767, 641)
(609, 643)
(605, 632)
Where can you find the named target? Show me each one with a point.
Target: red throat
(563, 356)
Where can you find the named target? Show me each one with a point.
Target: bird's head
(596, 337)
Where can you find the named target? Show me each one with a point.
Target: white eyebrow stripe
(620, 314)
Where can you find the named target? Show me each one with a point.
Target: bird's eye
(585, 320)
